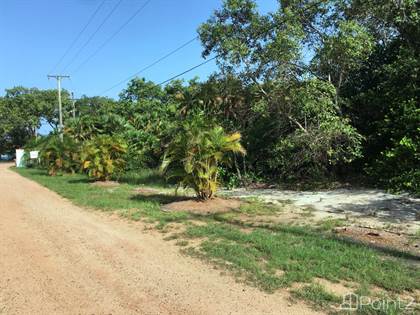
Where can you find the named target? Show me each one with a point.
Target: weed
(316, 295)
(329, 224)
(256, 207)
(182, 243)
(308, 212)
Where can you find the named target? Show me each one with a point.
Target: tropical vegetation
(103, 156)
(196, 153)
(60, 156)
(313, 92)
(319, 90)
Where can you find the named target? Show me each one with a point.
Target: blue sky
(36, 33)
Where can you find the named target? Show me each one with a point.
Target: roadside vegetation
(320, 92)
(194, 156)
(313, 92)
(272, 255)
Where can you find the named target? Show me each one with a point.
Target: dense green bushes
(398, 167)
(103, 156)
(311, 154)
(60, 156)
(317, 90)
(355, 101)
(99, 157)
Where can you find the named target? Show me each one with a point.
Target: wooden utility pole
(58, 77)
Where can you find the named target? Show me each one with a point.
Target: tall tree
(21, 112)
(291, 102)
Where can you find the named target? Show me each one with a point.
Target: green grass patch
(122, 198)
(300, 254)
(148, 177)
(330, 223)
(316, 295)
(257, 207)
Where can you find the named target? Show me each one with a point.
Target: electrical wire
(150, 65)
(186, 71)
(78, 36)
(93, 34)
(112, 36)
(192, 68)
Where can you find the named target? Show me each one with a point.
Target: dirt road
(56, 258)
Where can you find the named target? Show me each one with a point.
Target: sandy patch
(107, 183)
(147, 191)
(368, 206)
(336, 288)
(216, 205)
(380, 238)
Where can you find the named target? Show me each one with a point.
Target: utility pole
(73, 102)
(58, 77)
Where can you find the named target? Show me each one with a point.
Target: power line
(150, 65)
(93, 34)
(186, 71)
(112, 36)
(160, 59)
(201, 64)
(78, 35)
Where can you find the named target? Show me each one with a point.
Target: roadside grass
(329, 224)
(300, 254)
(362, 303)
(316, 295)
(149, 177)
(122, 198)
(269, 256)
(257, 207)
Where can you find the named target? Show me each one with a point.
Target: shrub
(310, 154)
(60, 156)
(103, 156)
(397, 168)
(195, 153)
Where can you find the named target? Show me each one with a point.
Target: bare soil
(147, 191)
(216, 205)
(56, 258)
(381, 238)
(107, 183)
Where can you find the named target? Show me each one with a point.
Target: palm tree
(103, 156)
(195, 153)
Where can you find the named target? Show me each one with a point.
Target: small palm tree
(103, 156)
(194, 155)
(59, 156)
